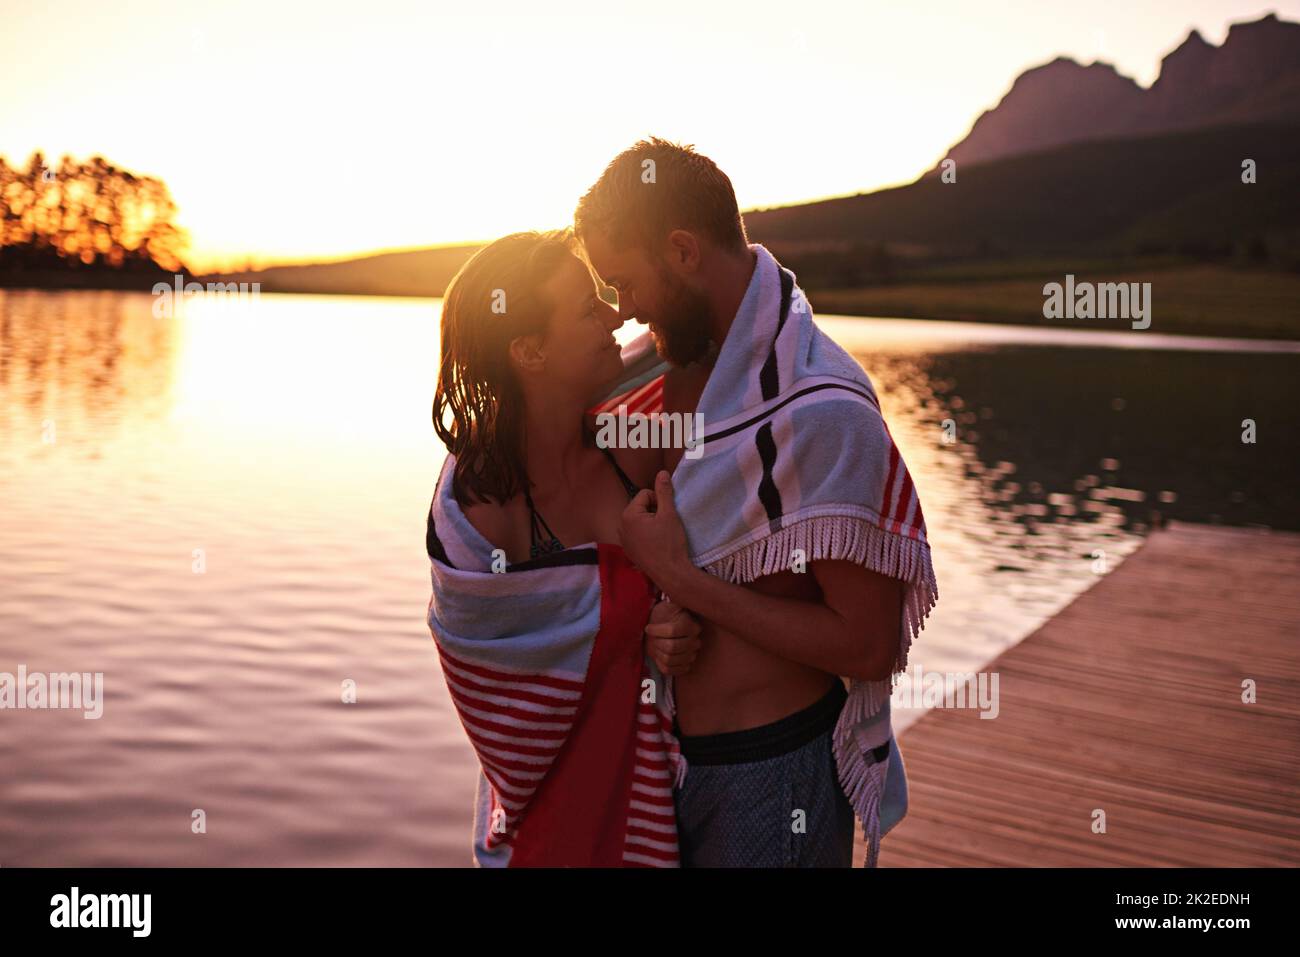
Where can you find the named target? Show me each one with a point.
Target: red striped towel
(545, 666)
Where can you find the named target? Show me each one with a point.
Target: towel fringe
(864, 786)
(676, 760)
(855, 539)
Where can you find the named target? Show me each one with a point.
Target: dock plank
(1129, 700)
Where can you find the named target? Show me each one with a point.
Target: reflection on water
(224, 514)
(1064, 456)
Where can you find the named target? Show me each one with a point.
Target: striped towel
(797, 455)
(545, 666)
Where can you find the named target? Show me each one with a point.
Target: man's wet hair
(654, 187)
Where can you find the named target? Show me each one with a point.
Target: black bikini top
(543, 544)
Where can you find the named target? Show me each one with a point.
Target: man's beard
(683, 335)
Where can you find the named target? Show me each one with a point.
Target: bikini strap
(628, 485)
(538, 544)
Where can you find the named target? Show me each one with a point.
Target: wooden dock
(1129, 701)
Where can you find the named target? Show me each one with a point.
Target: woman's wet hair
(478, 407)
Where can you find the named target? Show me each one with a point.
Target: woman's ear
(527, 354)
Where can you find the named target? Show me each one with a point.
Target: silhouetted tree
(83, 217)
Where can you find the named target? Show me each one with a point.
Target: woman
(537, 612)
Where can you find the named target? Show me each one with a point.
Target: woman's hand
(652, 534)
(672, 638)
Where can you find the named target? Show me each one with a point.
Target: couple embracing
(649, 649)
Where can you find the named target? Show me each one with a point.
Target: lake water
(223, 512)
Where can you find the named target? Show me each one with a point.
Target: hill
(1177, 193)
(417, 272)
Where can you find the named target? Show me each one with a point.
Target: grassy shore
(1203, 300)
(1188, 300)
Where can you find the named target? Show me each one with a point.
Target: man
(758, 694)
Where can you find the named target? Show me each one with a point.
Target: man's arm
(852, 631)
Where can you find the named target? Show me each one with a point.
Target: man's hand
(652, 535)
(672, 638)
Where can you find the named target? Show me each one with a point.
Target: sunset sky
(298, 131)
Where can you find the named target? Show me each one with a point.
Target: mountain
(1254, 77)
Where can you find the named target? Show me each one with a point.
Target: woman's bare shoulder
(492, 520)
